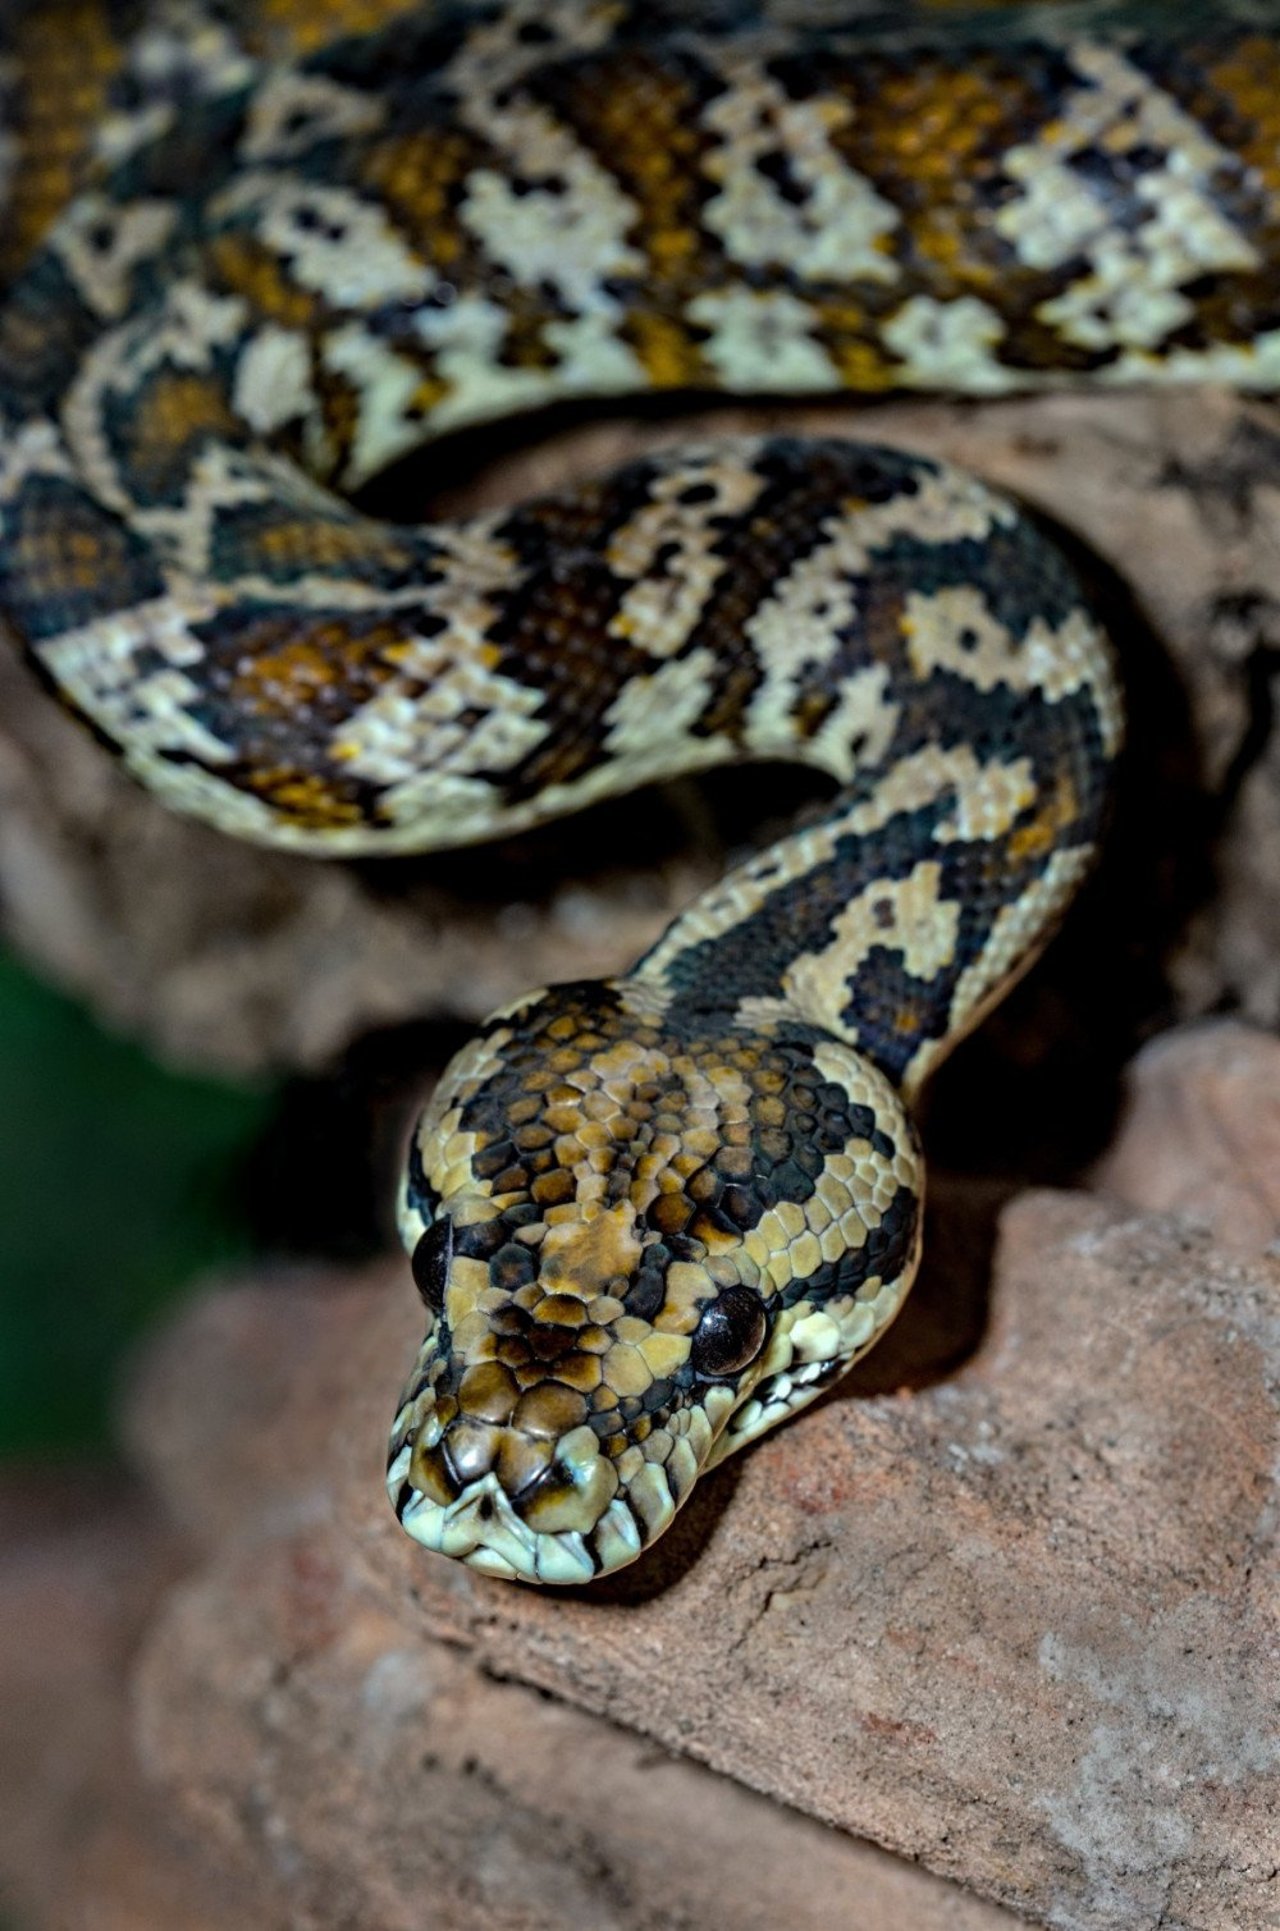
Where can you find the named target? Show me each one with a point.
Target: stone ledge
(306, 1760)
(387, 1769)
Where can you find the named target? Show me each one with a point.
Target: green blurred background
(120, 1185)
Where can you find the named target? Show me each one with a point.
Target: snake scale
(651, 1217)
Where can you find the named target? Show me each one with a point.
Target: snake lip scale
(274, 249)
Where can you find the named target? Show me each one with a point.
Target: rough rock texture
(1200, 1135)
(1016, 1621)
(85, 1843)
(307, 1759)
(237, 959)
(458, 1800)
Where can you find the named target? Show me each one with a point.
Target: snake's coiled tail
(648, 1218)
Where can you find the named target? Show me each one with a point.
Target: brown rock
(235, 958)
(85, 1845)
(397, 1786)
(306, 1759)
(1200, 1135)
(236, 1409)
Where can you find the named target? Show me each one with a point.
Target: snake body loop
(649, 1218)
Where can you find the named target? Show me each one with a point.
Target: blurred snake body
(652, 1217)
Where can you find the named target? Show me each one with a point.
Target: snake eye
(729, 1335)
(430, 1263)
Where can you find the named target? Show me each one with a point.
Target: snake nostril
(431, 1473)
(521, 1462)
(488, 1392)
(470, 1448)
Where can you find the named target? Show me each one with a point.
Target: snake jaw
(482, 1528)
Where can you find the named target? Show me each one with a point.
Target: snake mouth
(482, 1528)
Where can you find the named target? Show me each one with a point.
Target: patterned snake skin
(649, 1218)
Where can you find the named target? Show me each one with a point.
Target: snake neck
(922, 641)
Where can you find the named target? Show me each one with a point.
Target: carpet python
(651, 1217)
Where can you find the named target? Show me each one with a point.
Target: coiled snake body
(652, 1217)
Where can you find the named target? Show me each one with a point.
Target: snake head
(641, 1239)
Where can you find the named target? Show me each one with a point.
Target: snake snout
(515, 1474)
(533, 1446)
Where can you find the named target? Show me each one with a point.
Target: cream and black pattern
(652, 1217)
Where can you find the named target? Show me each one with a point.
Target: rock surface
(1200, 1135)
(238, 959)
(85, 1843)
(1015, 1621)
(305, 1759)
(395, 1783)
